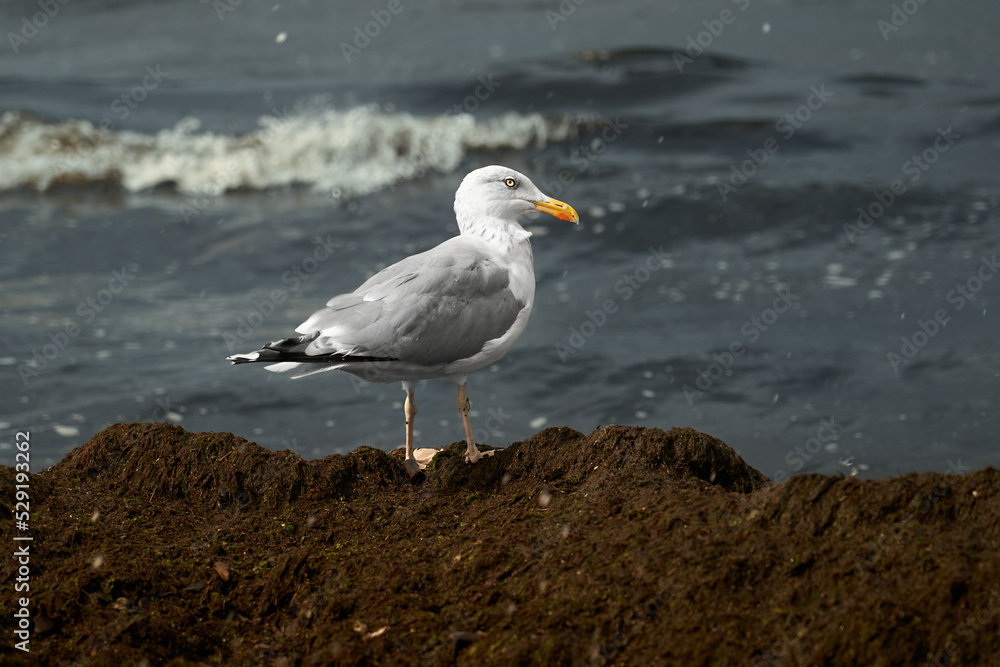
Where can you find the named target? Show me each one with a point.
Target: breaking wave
(345, 152)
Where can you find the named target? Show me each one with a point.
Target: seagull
(443, 313)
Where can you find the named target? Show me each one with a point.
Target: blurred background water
(789, 216)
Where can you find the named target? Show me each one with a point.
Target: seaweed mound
(153, 545)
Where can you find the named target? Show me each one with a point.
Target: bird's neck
(504, 235)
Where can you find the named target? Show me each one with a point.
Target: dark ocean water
(788, 240)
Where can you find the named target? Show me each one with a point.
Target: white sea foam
(344, 152)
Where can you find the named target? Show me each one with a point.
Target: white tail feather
(314, 370)
(282, 366)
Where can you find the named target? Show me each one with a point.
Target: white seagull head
(502, 194)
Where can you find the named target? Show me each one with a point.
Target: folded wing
(435, 307)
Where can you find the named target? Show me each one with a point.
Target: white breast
(516, 257)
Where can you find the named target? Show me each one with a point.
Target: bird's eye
(509, 182)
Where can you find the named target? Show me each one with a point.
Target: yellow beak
(559, 209)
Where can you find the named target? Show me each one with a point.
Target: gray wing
(435, 307)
